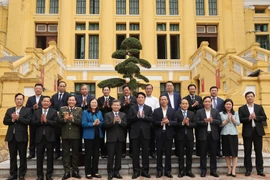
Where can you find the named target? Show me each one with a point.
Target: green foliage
(131, 43)
(132, 68)
(133, 84)
(133, 52)
(145, 63)
(132, 59)
(112, 83)
(140, 76)
(119, 54)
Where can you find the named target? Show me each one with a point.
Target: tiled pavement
(254, 176)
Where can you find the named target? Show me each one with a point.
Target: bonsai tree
(129, 68)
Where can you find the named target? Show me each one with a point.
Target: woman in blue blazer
(92, 121)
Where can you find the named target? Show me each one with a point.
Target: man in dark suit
(165, 122)
(208, 120)
(217, 103)
(59, 99)
(185, 138)
(195, 103)
(140, 118)
(126, 102)
(104, 105)
(252, 116)
(17, 119)
(45, 120)
(115, 124)
(174, 99)
(34, 103)
(82, 101)
(70, 121)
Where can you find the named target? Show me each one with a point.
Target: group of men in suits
(143, 117)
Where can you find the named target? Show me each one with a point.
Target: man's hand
(252, 116)
(195, 103)
(43, 118)
(116, 119)
(15, 116)
(35, 107)
(165, 120)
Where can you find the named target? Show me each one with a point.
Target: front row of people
(167, 122)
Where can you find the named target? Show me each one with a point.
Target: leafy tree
(129, 68)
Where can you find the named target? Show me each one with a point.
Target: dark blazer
(70, 129)
(220, 104)
(58, 104)
(247, 124)
(180, 129)
(79, 101)
(49, 126)
(140, 124)
(31, 101)
(177, 99)
(202, 125)
(20, 126)
(125, 109)
(115, 131)
(195, 108)
(158, 116)
(106, 109)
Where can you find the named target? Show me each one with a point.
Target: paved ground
(208, 177)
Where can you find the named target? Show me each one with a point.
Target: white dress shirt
(208, 115)
(251, 110)
(171, 97)
(164, 111)
(152, 102)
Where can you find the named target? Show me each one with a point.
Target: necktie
(45, 113)
(116, 114)
(193, 98)
(185, 115)
(214, 103)
(60, 97)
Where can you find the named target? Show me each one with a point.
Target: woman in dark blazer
(92, 121)
(229, 134)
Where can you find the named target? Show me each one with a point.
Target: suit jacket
(195, 108)
(20, 126)
(49, 126)
(125, 109)
(220, 104)
(180, 129)
(247, 124)
(101, 103)
(70, 129)
(158, 116)
(88, 119)
(177, 99)
(140, 124)
(58, 104)
(115, 131)
(31, 101)
(202, 125)
(79, 101)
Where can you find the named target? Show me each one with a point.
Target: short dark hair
(59, 82)
(140, 93)
(39, 84)
(162, 96)
(83, 85)
(191, 85)
(149, 85)
(105, 87)
(213, 87)
(207, 97)
(249, 92)
(46, 97)
(168, 82)
(125, 87)
(71, 96)
(182, 100)
(18, 94)
(116, 101)
(224, 110)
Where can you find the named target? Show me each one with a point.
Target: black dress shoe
(12, 177)
(214, 174)
(76, 175)
(110, 176)
(130, 155)
(181, 174)
(152, 155)
(146, 175)
(30, 156)
(57, 156)
(135, 175)
(49, 178)
(21, 178)
(248, 173)
(96, 176)
(88, 176)
(260, 174)
(203, 174)
(219, 155)
(190, 174)
(123, 155)
(159, 175)
(233, 175)
(117, 175)
(66, 176)
(169, 175)
(40, 178)
(103, 156)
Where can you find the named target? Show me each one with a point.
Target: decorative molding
(71, 78)
(84, 75)
(183, 78)
(100, 78)
(155, 78)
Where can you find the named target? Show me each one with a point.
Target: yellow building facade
(205, 42)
